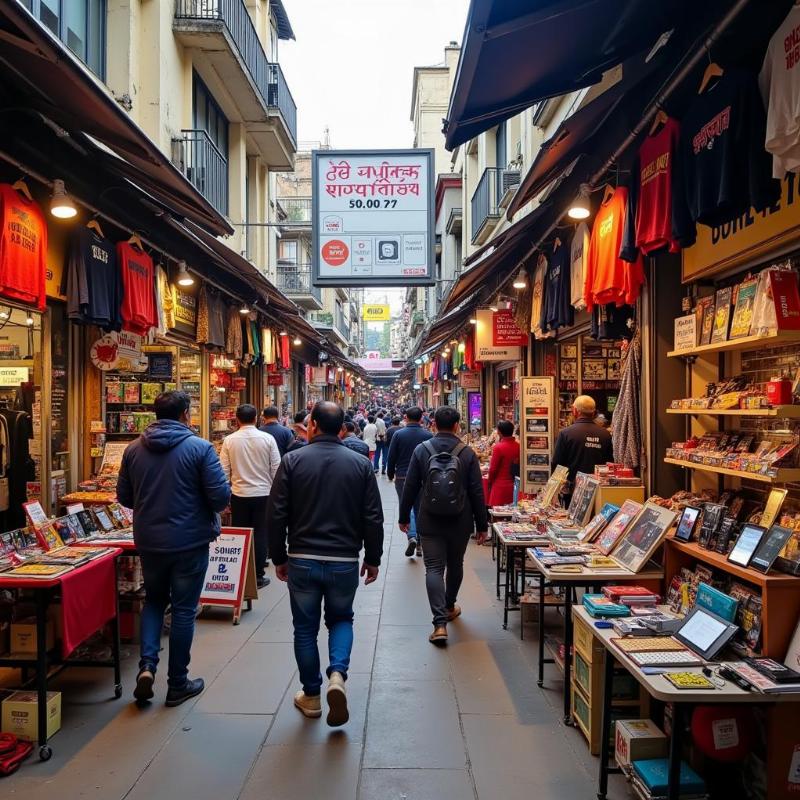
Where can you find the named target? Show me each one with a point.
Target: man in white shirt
(250, 458)
(370, 437)
(381, 446)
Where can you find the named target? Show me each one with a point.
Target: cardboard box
(20, 715)
(23, 636)
(637, 739)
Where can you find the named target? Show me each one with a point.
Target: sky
(352, 66)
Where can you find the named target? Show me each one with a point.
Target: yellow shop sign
(376, 313)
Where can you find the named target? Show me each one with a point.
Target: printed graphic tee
(138, 280)
(556, 309)
(578, 253)
(94, 283)
(23, 248)
(779, 82)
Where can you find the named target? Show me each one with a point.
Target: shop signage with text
(685, 332)
(379, 313)
(469, 380)
(505, 331)
(13, 376)
(485, 348)
(275, 379)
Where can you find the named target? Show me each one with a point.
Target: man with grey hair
(583, 445)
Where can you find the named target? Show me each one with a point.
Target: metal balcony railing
(485, 201)
(297, 209)
(267, 77)
(204, 165)
(295, 279)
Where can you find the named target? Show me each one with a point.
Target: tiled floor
(459, 723)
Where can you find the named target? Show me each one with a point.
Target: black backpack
(443, 493)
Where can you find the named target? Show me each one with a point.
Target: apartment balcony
(294, 280)
(296, 211)
(229, 55)
(417, 322)
(333, 323)
(485, 204)
(204, 166)
(453, 224)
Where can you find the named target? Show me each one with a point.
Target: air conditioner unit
(509, 180)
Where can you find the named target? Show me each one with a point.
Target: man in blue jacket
(173, 481)
(401, 448)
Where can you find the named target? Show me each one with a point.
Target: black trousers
(444, 571)
(251, 512)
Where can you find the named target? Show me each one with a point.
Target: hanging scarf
(627, 429)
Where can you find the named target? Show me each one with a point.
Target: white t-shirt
(250, 458)
(370, 434)
(381, 426)
(779, 82)
(578, 251)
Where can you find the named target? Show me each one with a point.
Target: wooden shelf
(791, 412)
(744, 343)
(783, 476)
(714, 559)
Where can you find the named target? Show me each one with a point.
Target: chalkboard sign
(159, 365)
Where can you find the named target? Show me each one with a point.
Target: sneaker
(412, 548)
(144, 685)
(310, 706)
(263, 582)
(337, 701)
(439, 635)
(177, 696)
(453, 613)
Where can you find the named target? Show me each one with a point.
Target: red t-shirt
(138, 281)
(609, 279)
(654, 208)
(23, 248)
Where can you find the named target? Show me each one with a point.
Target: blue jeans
(399, 483)
(311, 582)
(174, 579)
(381, 449)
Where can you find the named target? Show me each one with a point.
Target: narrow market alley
(463, 722)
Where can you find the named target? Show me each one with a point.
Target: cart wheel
(118, 691)
(45, 753)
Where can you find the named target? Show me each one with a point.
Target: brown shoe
(439, 635)
(453, 613)
(310, 706)
(338, 713)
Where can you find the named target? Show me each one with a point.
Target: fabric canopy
(517, 52)
(61, 88)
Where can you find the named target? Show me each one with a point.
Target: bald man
(584, 444)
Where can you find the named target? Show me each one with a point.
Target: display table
(569, 581)
(659, 688)
(514, 552)
(88, 601)
(495, 516)
(89, 498)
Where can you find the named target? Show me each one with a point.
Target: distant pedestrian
(326, 497)
(173, 481)
(280, 433)
(371, 437)
(504, 465)
(381, 446)
(446, 474)
(250, 458)
(390, 431)
(404, 442)
(350, 440)
(300, 432)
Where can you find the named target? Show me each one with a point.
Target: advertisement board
(505, 330)
(376, 313)
(373, 217)
(537, 431)
(485, 348)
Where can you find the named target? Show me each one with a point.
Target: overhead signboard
(373, 217)
(376, 313)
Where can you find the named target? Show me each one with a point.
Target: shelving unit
(783, 476)
(744, 343)
(781, 412)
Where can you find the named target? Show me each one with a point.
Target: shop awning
(518, 52)
(59, 86)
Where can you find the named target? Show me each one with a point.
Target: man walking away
(351, 441)
(300, 432)
(250, 458)
(390, 431)
(371, 438)
(404, 442)
(448, 476)
(381, 446)
(327, 497)
(280, 433)
(173, 481)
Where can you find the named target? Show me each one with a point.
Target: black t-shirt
(557, 309)
(581, 447)
(613, 322)
(94, 284)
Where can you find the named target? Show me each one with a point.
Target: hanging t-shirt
(609, 278)
(93, 281)
(286, 357)
(721, 157)
(216, 320)
(537, 296)
(648, 221)
(556, 309)
(779, 82)
(578, 253)
(23, 248)
(138, 282)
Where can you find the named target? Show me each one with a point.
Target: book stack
(640, 600)
(650, 780)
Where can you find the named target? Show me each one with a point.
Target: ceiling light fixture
(521, 281)
(184, 278)
(297, 341)
(580, 208)
(244, 309)
(61, 205)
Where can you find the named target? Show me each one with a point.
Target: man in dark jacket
(445, 537)
(327, 497)
(404, 442)
(392, 429)
(173, 481)
(351, 441)
(282, 435)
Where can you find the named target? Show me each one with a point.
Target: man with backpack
(447, 475)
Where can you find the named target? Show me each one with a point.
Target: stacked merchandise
(650, 780)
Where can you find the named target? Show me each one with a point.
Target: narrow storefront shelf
(791, 412)
(745, 343)
(783, 476)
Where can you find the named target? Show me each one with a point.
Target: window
(207, 116)
(287, 250)
(80, 24)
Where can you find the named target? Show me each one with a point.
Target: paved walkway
(458, 723)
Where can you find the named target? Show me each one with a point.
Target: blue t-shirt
(557, 310)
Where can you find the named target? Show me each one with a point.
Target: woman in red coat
(505, 455)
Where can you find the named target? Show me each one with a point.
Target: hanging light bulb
(184, 278)
(580, 208)
(521, 281)
(245, 309)
(29, 321)
(283, 333)
(61, 204)
(297, 341)
(473, 321)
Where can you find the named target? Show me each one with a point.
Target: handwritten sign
(686, 332)
(227, 573)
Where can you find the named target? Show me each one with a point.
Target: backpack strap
(456, 451)
(432, 451)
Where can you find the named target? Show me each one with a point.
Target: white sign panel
(485, 349)
(13, 376)
(373, 217)
(224, 576)
(537, 422)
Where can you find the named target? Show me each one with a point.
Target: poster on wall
(485, 348)
(537, 415)
(373, 217)
(505, 330)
